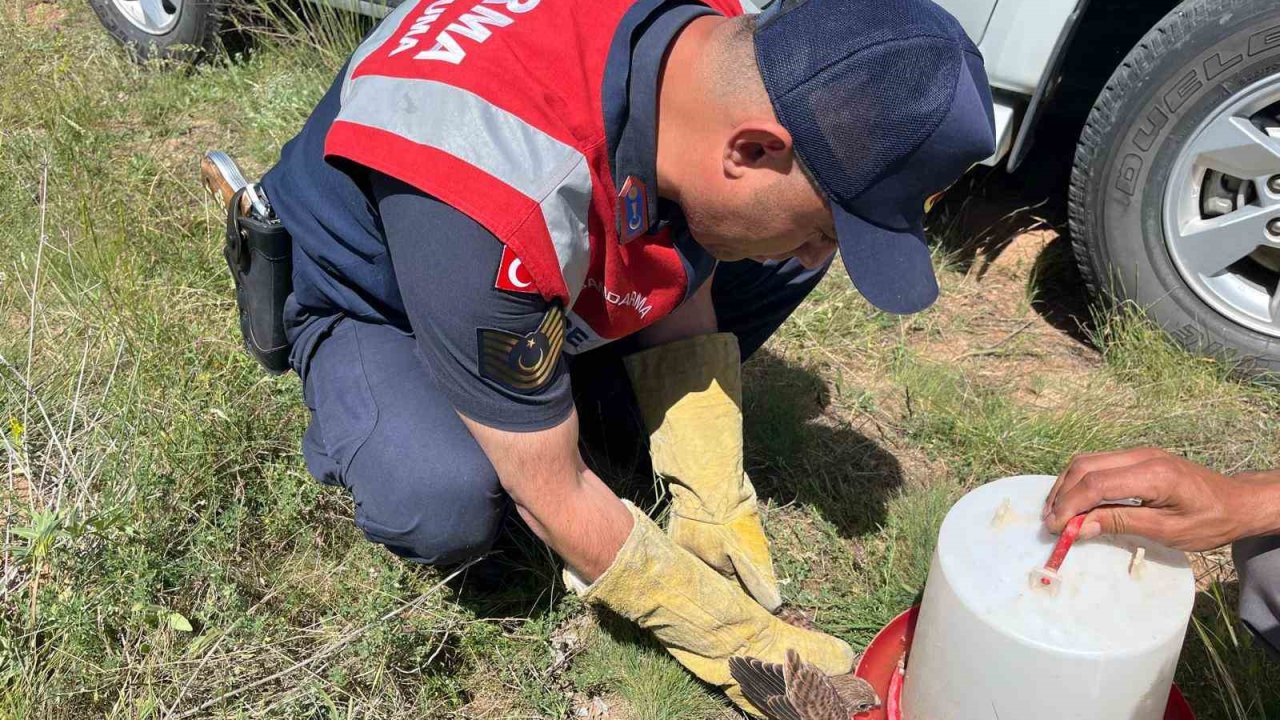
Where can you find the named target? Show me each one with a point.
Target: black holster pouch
(260, 255)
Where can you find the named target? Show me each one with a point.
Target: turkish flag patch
(513, 276)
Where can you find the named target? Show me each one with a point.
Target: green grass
(634, 675)
(165, 551)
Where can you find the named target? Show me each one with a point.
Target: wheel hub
(1222, 209)
(156, 17)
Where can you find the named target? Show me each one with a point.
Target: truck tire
(1175, 189)
(173, 29)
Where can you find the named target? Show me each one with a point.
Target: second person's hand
(1185, 505)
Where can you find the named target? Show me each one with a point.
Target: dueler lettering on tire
(1187, 86)
(1170, 180)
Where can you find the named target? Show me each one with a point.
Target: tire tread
(209, 25)
(1173, 29)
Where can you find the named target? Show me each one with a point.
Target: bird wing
(764, 685)
(811, 693)
(800, 691)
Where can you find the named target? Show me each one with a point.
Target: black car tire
(194, 33)
(1179, 74)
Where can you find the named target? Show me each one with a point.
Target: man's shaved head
(733, 75)
(724, 156)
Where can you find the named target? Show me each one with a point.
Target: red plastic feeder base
(887, 652)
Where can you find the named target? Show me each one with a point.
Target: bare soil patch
(45, 14)
(1018, 317)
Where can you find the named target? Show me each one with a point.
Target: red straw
(1065, 541)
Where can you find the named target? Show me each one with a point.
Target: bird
(797, 690)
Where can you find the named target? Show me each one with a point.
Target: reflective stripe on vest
(552, 174)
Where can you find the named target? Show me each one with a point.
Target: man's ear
(758, 145)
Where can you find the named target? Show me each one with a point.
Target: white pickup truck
(1175, 194)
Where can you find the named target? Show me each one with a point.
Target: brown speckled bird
(800, 691)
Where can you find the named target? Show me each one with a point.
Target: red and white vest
(495, 107)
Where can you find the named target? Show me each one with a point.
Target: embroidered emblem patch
(633, 202)
(513, 276)
(522, 362)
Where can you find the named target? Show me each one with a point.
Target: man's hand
(1185, 505)
(690, 395)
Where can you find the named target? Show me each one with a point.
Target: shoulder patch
(523, 363)
(633, 209)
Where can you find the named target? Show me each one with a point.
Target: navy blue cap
(887, 103)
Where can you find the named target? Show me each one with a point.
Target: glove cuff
(584, 589)
(662, 376)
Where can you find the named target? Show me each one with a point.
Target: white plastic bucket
(988, 646)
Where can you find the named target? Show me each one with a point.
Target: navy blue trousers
(381, 427)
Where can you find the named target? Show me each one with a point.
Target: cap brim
(891, 268)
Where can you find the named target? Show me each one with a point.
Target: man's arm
(1185, 505)
(563, 501)
(445, 266)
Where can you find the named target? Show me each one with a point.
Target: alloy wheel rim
(156, 17)
(1222, 209)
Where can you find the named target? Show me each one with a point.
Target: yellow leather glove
(690, 395)
(701, 618)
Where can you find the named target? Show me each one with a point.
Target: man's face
(749, 199)
(770, 217)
